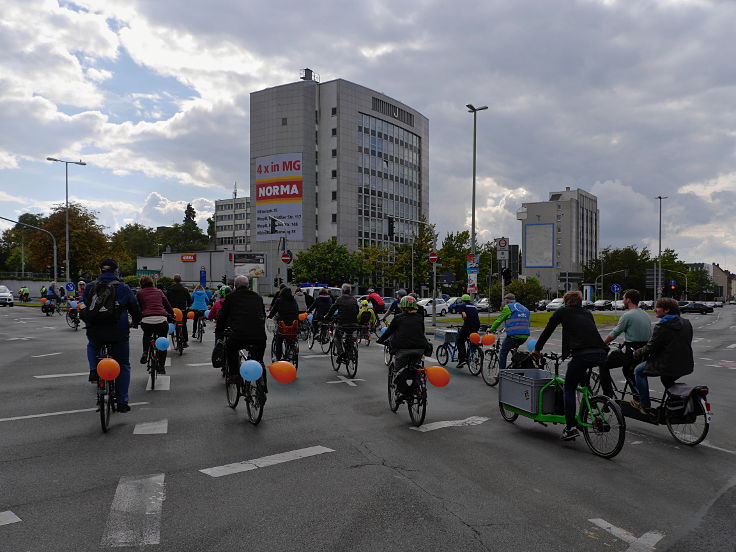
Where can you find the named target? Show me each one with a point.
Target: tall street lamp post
(659, 258)
(66, 180)
(474, 110)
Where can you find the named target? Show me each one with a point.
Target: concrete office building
(232, 224)
(334, 160)
(559, 236)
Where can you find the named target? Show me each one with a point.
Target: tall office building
(334, 160)
(559, 236)
(232, 224)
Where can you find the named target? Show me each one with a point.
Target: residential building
(559, 237)
(232, 224)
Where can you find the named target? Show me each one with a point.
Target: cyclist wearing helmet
(394, 308)
(377, 301)
(471, 323)
(420, 309)
(345, 311)
(408, 341)
(366, 314)
(320, 307)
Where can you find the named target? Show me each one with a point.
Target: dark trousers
(511, 342)
(405, 375)
(256, 349)
(462, 335)
(627, 364)
(577, 373)
(155, 330)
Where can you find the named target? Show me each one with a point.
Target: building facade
(559, 237)
(334, 161)
(232, 224)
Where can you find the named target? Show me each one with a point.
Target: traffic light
(289, 274)
(273, 225)
(51, 272)
(224, 279)
(390, 227)
(673, 287)
(507, 276)
(276, 282)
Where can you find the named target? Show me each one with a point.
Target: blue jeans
(120, 352)
(642, 384)
(509, 343)
(577, 369)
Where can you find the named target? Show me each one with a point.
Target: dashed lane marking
(312, 356)
(473, 420)
(45, 355)
(7, 517)
(46, 376)
(163, 383)
(135, 514)
(18, 338)
(705, 358)
(265, 461)
(731, 346)
(198, 363)
(645, 543)
(343, 379)
(167, 363)
(152, 428)
(46, 414)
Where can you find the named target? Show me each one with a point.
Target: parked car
(589, 305)
(603, 304)
(6, 296)
(646, 304)
(427, 304)
(618, 305)
(483, 304)
(554, 304)
(718, 304)
(541, 304)
(699, 308)
(453, 302)
(732, 302)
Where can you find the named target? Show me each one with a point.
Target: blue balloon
(73, 304)
(162, 343)
(531, 344)
(383, 330)
(310, 318)
(251, 370)
(172, 328)
(207, 313)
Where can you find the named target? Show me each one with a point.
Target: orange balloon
(108, 369)
(282, 371)
(177, 314)
(437, 375)
(303, 316)
(43, 299)
(190, 315)
(474, 338)
(488, 339)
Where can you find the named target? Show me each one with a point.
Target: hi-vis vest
(518, 322)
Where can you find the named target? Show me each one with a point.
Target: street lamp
(474, 110)
(659, 258)
(66, 240)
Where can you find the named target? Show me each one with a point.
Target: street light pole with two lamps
(66, 240)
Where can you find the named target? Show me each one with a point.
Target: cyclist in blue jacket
(517, 322)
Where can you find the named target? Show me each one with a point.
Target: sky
(628, 100)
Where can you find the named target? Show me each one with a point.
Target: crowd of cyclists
(110, 308)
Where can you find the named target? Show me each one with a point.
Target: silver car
(6, 296)
(554, 304)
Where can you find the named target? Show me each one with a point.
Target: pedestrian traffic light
(289, 274)
(273, 225)
(390, 227)
(224, 279)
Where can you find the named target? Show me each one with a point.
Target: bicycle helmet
(466, 297)
(408, 302)
(401, 293)
(81, 283)
(224, 290)
(414, 295)
(371, 291)
(364, 303)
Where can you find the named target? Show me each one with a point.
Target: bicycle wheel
(393, 403)
(232, 390)
(104, 403)
(443, 355)
(310, 337)
(475, 360)
(688, 433)
(70, 320)
(351, 360)
(507, 414)
(324, 340)
(490, 368)
(254, 401)
(607, 432)
(275, 350)
(292, 354)
(152, 365)
(200, 331)
(418, 403)
(387, 356)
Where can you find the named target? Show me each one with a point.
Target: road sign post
(433, 258)
(502, 256)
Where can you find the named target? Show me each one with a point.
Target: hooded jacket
(669, 351)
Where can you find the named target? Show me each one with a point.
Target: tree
(186, 236)
(377, 270)
(131, 241)
(630, 265)
(13, 238)
(328, 262)
(455, 247)
(424, 242)
(527, 293)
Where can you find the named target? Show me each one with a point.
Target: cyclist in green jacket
(516, 318)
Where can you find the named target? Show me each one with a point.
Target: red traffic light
(673, 287)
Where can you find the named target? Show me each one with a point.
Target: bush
(165, 281)
(132, 281)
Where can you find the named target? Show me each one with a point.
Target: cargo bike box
(522, 388)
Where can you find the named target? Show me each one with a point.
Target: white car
(554, 304)
(442, 306)
(618, 305)
(6, 296)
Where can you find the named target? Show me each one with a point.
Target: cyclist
(471, 323)
(199, 304)
(637, 330)
(408, 342)
(394, 308)
(114, 330)
(581, 340)
(377, 301)
(155, 313)
(301, 300)
(668, 353)
(287, 310)
(24, 294)
(320, 308)
(52, 298)
(515, 317)
(80, 289)
(366, 318)
(243, 312)
(345, 311)
(180, 298)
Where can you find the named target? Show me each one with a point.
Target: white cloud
(705, 190)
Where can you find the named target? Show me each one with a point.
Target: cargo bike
(537, 394)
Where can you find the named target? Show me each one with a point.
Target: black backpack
(103, 307)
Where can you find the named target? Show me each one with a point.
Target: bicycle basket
(293, 329)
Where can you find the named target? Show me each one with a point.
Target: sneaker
(569, 433)
(123, 408)
(93, 377)
(161, 370)
(185, 345)
(144, 358)
(461, 364)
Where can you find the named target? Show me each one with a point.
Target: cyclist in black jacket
(581, 340)
(180, 298)
(320, 307)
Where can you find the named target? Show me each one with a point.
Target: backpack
(103, 307)
(365, 317)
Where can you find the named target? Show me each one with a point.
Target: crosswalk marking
(7, 517)
(163, 383)
(265, 461)
(644, 543)
(343, 379)
(152, 428)
(473, 420)
(200, 364)
(46, 414)
(62, 375)
(135, 513)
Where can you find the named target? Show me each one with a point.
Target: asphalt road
(361, 479)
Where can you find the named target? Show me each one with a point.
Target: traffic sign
(70, 286)
(673, 283)
(433, 257)
(616, 288)
(286, 257)
(502, 243)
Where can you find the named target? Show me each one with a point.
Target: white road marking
(312, 356)
(636, 443)
(705, 358)
(343, 379)
(645, 543)
(7, 517)
(135, 514)
(167, 362)
(731, 346)
(152, 428)
(430, 359)
(473, 420)
(707, 444)
(163, 383)
(62, 375)
(18, 339)
(199, 363)
(44, 415)
(265, 461)
(47, 354)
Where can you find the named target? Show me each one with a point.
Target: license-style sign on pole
(433, 257)
(286, 257)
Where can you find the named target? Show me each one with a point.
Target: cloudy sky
(625, 99)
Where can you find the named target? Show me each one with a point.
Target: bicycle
(153, 362)
(198, 326)
(602, 423)
(416, 400)
(106, 393)
(287, 347)
(72, 318)
(491, 360)
(325, 335)
(388, 354)
(474, 358)
(178, 337)
(254, 393)
(364, 334)
(304, 330)
(344, 349)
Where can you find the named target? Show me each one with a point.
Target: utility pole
(659, 257)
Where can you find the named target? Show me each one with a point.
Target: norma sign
(279, 193)
(188, 258)
(286, 257)
(433, 257)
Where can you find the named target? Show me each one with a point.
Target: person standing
(180, 298)
(515, 317)
(155, 313)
